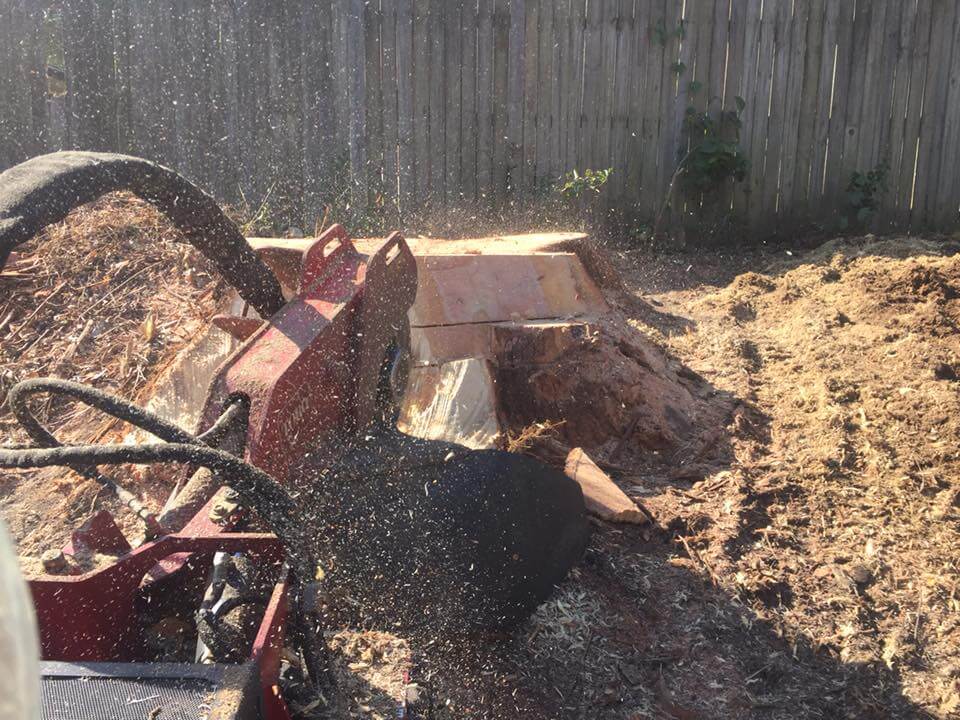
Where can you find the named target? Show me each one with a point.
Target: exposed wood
(600, 494)
(455, 401)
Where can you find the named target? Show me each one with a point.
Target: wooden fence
(414, 103)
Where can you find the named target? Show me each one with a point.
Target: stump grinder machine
(298, 441)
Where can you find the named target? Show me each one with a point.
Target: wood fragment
(602, 496)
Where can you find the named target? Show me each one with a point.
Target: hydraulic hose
(257, 489)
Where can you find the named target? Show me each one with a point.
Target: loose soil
(803, 562)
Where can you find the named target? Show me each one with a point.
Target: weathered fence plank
(389, 93)
(423, 150)
(452, 63)
(468, 101)
(485, 95)
(405, 105)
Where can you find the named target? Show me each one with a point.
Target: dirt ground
(803, 560)
(806, 566)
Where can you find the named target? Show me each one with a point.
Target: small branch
(666, 199)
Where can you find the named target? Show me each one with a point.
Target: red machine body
(309, 372)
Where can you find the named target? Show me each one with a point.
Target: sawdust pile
(836, 526)
(107, 297)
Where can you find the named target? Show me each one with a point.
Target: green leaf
(678, 67)
(741, 103)
(864, 214)
(694, 86)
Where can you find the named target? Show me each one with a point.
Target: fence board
(319, 126)
(667, 139)
(531, 94)
(797, 203)
(373, 106)
(575, 93)
(468, 101)
(756, 150)
(438, 105)
(787, 200)
(406, 159)
(636, 143)
(944, 205)
(557, 99)
(501, 85)
(605, 82)
(652, 124)
(897, 206)
(388, 90)
(485, 94)
(452, 64)
(421, 91)
(545, 81)
(876, 76)
(621, 99)
(833, 172)
(934, 115)
(515, 86)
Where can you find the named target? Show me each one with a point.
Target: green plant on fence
(574, 185)
(584, 191)
(662, 35)
(863, 196)
(712, 154)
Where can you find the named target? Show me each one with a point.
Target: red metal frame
(309, 373)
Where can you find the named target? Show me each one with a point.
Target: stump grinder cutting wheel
(298, 430)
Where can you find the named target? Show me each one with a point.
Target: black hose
(41, 191)
(19, 394)
(116, 407)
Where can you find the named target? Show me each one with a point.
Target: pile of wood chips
(107, 297)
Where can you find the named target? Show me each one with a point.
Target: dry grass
(524, 440)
